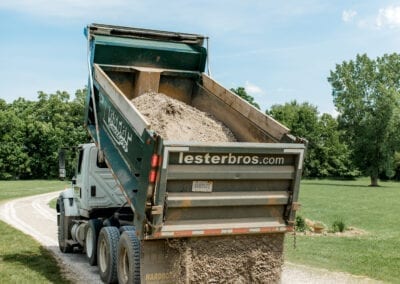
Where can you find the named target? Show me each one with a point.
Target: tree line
(364, 139)
(32, 132)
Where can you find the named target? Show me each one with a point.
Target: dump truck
(137, 196)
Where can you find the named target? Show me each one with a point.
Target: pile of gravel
(177, 121)
(230, 259)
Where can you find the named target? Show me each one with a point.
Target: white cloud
(253, 89)
(388, 17)
(348, 15)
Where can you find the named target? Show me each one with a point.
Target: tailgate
(236, 188)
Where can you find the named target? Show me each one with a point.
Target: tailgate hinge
(157, 210)
(290, 208)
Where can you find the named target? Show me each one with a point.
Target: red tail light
(154, 160)
(152, 176)
(154, 163)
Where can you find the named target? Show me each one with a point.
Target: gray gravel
(295, 273)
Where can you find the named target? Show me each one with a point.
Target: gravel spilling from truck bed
(177, 121)
(230, 259)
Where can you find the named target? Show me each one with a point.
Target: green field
(375, 254)
(21, 188)
(22, 259)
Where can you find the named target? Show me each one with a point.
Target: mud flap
(157, 263)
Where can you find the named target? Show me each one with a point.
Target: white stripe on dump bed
(296, 151)
(171, 149)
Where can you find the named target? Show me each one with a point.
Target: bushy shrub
(301, 225)
(338, 226)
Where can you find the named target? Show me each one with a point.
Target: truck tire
(63, 228)
(129, 258)
(91, 235)
(126, 228)
(107, 249)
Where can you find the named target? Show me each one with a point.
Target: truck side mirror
(61, 164)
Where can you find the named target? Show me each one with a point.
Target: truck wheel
(107, 248)
(92, 233)
(126, 228)
(63, 228)
(129, 258)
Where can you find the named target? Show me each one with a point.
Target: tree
(397, 166)
(241, 92)
(32, 132)
(327, 155)
(13, 159)
(333, 153)
(58, 123)
(366, 94)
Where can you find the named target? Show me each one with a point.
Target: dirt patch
(317, 228)
(233, 259)
(349, 232)
(177, 121)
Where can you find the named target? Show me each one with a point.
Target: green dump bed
(179, 189)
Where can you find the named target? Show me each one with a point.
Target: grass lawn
(375, 254)
(22, 259)
(21, 188)
(53, 203)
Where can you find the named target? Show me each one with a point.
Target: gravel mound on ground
(177, 121)
(230, 259)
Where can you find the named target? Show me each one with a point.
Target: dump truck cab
(95, 187)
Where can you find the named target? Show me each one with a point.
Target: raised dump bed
(200, 188)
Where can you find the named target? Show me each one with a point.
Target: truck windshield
(80, 159)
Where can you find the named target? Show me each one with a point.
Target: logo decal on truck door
(118, 130)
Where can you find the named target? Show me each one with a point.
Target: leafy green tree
(241, 92)
(366, 94)
(32, 132)
(13, 159)
(59, 123)
(327, 155)
(332, 152)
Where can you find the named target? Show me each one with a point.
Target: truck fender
(70, 204)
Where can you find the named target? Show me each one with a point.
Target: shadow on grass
(350, 182)
(43, 263)
(336, 184)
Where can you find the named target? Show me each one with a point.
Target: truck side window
(80, 159)
(101, 165)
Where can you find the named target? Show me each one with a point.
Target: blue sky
(279, 50)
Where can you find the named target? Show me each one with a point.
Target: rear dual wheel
(107, 250)
(118, 256)
(128, 258)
